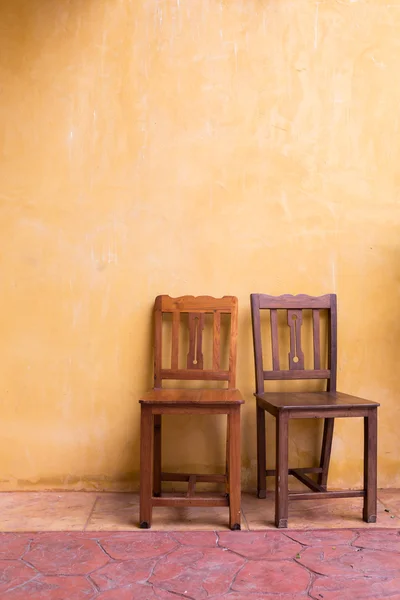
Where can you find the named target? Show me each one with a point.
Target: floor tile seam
(99, 545)
(312, 578)
(233, 581)
(309, 569)
(245, 518)
(91, 513)
(24, 583)
(166, 555)
(178, 594)
(160, 558)
(28, 547)
(29, 564)
(93, 583)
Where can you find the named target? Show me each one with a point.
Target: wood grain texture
(196, 308)
(295, 374)
(293, 302)
(181, 401)
(316, 339)
(157, 445)
(296, 356)
(189, 304)
(316, 400)
(274, 339)
(326, 495)
(195, 354)
(282, 470)
(370, 465)
(179, 501)
(146, 466)
(176, 319)
(191, 486)
(192, 396)
(326, 405)
(216, 341)
(201, 478)
(234, 470)
(257, 345)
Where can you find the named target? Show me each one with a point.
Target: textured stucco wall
(188, 146)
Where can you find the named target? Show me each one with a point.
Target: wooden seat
(299, 405)
(160, 401)
(176, 396)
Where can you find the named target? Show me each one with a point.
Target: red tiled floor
(265, 565)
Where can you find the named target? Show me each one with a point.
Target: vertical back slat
(175, 340)
(199, 349)
(274, 339)
(332, 357)
(157, 342)
(257, 344)
(296, 356)
(216, 340)
(316, 338)
(195, 354)
(233, 345)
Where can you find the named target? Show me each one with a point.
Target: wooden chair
(210, 401)
(300, 405)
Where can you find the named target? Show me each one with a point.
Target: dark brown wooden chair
(172, 401)
(300, 405)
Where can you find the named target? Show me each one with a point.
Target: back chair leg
(281, 477)
(157, 456)
(261, 454)
(146, 466)
(326, 452)
(370, 466)
(227, 455)
(234, 468)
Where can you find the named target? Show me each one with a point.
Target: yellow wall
(188, 146)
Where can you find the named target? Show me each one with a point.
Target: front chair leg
(157, 456)
(234, 468)
(227, 456)
(146, 466)
(370, 465)
(261, 454)
(281, 476)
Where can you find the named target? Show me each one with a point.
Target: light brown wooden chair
(300, 405)
(172, 401)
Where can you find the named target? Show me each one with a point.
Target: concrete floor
(92, 511)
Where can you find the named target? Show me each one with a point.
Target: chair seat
(314, 400)
(174, 396)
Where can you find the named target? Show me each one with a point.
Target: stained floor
(270, 565)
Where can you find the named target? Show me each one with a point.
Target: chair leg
(227, 456)
(146, 465)
(326, 452)
(261, 454)
(234, 468)
(281, 477)
(370, 466)
(157, 456)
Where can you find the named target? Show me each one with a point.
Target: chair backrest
(196, 308)
(294, 306)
